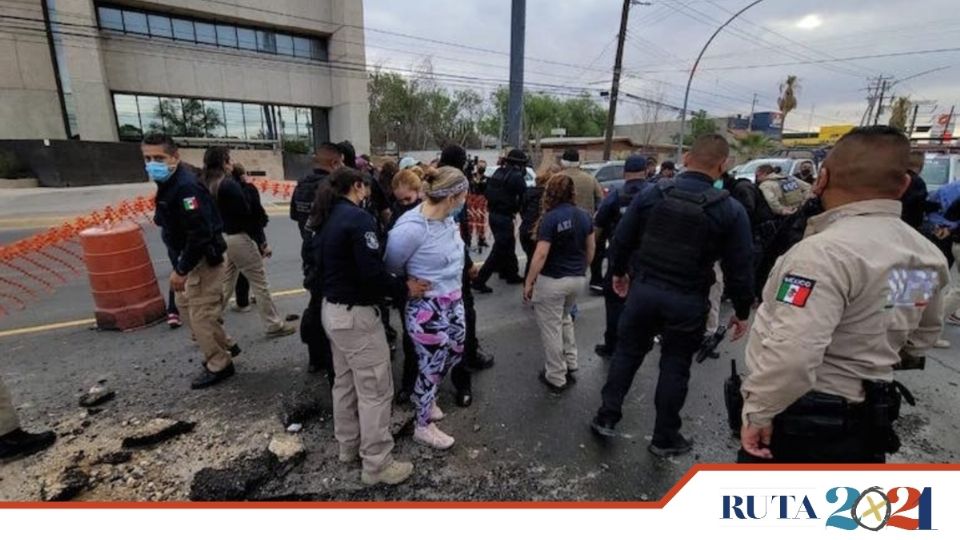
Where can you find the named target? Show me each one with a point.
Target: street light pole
(686, 95)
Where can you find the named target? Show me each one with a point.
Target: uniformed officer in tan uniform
(837, 311)
(784, 194)
(14, 442)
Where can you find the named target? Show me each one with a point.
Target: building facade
(287, 73)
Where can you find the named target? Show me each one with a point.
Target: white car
(788, 167)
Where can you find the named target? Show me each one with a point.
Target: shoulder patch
(190, 203)
(371, 239)
(795, 290)
(911, 287)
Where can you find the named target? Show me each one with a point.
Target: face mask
(718, 183)
(459, 212)
(158, 171)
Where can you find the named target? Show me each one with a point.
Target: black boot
(482, 361)
(209, 378)
(19, 444)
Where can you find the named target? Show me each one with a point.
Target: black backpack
(677, 240)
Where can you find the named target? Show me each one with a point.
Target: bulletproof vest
(790, 193)
(676, 243)
(625, 196)
(301, 203)
(500, 197)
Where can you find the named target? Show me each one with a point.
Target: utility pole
(615, 85)
(518, 29)
(943, 137)
(883, 91)
(913, 121)
(753, 108)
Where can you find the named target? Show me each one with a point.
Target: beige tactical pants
(716, 297)
(552, 301)
(243, 255)
(951, 300)
(201, 309)
(363, 387)
(8, 415)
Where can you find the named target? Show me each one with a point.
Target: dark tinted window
(319, 51)
(266, 41)
(111, 19)
(247, 39)
(227, 36)
(610, 172)
(206, 33)
(160, 26)
(302, 47)
(135, 23)
(284, 44)
(183, 30)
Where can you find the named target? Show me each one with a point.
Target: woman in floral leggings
(426, 244)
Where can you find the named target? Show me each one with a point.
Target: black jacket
(953, 213)
(190, 223)
(530, 209)
(240, 213)
(346, 253)
(914, 202)
(505, 190)
(301, 203)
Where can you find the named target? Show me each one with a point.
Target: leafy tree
(899, 113)
(190, 119)
(787, 101)
(752, 146)
(700, 125)
(580, 116)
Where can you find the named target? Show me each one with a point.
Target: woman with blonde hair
(565, 247)
(425, 244)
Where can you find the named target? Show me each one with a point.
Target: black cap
(635, 164)
(454, 156)
(516, 156)
(571, 155)
(668, 165)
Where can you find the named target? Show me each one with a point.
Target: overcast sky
(571, 44)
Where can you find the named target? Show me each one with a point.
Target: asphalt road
(517, 441)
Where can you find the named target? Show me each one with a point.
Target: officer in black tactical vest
(671, 236)
(608, 217)
(504, 194)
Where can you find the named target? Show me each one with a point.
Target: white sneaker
(953, 319)
(431, 436)
(941, 344)
(436, 414)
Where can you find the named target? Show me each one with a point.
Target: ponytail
(215, 161)
(333, 187)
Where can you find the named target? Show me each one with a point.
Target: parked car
(940, 170)
(608, 173)
(788, 167)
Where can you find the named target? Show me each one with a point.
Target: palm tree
(752, 146)
(899, 113)
(788, 99)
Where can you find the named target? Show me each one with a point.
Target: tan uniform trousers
(243, 255)
(8, 415)
(951, 300)
(552, 301)
(363, 387)
(201, 309)
(716, 297)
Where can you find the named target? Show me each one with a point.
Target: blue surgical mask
(459, 211)
(158, 171)
(718, 183)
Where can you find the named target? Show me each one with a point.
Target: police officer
(192, 229)
(861, 286)
(327, 159)
(504, 192)
(784, 195)
(612, 208)
(16, 443)
(672, 235)
(353, 283)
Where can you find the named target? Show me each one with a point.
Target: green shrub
(297, 146)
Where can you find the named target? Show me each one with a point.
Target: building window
(159, 25)
(216, 119)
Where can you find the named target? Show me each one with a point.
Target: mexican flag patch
(190, 203)
(795, 290)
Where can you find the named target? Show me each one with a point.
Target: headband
(461, 186)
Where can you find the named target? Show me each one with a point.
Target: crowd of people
(847, 271)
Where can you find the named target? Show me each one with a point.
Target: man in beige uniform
(14, 442)
(589, 193)
(783, 194)
(839, 307)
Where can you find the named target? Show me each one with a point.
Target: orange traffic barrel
(125, 291)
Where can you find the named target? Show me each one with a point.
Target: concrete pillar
(350, 111)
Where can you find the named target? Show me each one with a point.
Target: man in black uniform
(474, 358)
(191, 228)
(608, 216)
(327, 159)
(673, 235)
(504, 194)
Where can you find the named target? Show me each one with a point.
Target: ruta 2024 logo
(872, 509)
